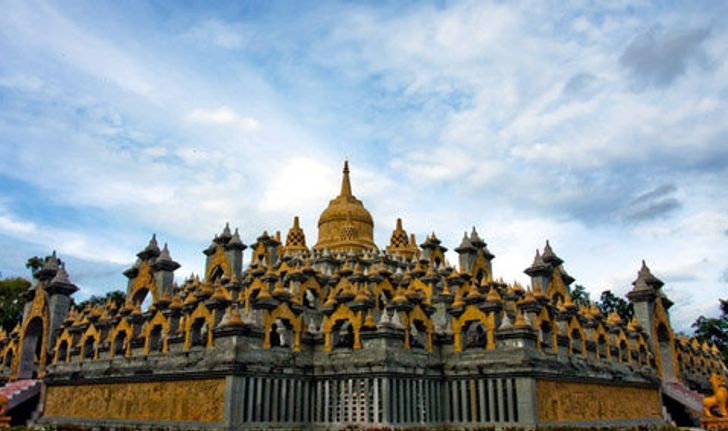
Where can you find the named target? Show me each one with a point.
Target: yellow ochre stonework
(345, 224)
(565, 401)
(188, 401)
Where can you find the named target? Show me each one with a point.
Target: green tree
(580, 296)
(11, 306)
(714, 330)
(35, 264)
(116, 296)
(609, 302)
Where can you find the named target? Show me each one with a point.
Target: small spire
(345, 182)
(235, 241)
(474, 237)
(61, 276)
(295, 222)
(226, 235)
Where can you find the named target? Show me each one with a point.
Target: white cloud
(504, 116)
(222, 116)
(9, 225)
(42, 27)
(65, 241)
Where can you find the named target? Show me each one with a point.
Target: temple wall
(561, 401)
(179, 401)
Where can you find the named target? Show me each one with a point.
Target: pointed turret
(645, 286)
(540, 273)
(467, 253)
(50, 266)
(60, 288)
(465, 245)
(648, 278)
(399, 244)
(538, 267)
(235, 242)
(61, 283)
(550, 257)
(296, 239)
(475, 239)
(225, 235)
(151, 250)
(164, 261)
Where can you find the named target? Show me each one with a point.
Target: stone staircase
(19, 391)
(684, 395)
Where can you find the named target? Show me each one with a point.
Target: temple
(346, 334)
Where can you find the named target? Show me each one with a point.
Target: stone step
(20, 390)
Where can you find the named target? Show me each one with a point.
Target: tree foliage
(116, 296)
(35, 264)
(609, 302)
(580, 296)
(11, 306)
(714, 330)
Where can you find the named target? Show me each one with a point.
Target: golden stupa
(345, 224)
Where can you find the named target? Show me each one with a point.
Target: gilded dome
(345, 224)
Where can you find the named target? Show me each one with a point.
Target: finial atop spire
(345, 182)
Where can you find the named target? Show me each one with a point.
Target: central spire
(345, 224)
(345, 182)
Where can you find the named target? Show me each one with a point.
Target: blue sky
(599, 126)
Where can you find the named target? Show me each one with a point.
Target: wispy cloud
(223, 116)
(658, 56)
(122, 121)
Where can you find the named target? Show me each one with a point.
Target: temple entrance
(31, 350)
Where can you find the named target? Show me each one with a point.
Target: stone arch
(343, 313)
(283, 312)
(577, 339)
(120, 338)
(219, 266)
(624, 348)
(547, 330)
(471, 314)
(193, 328)
(313, 285)
(601, 341)
(142, 286)
(64, 341)
(254, 288)
(557, 288)
(642, 353)
(383, 287)
(31, 346)
(33, 339)
(437, 257)
(89, 343)
(414, 316)
(480, 268)
(260, 252)
(155, 332)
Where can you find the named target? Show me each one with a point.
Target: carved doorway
(31, 350)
